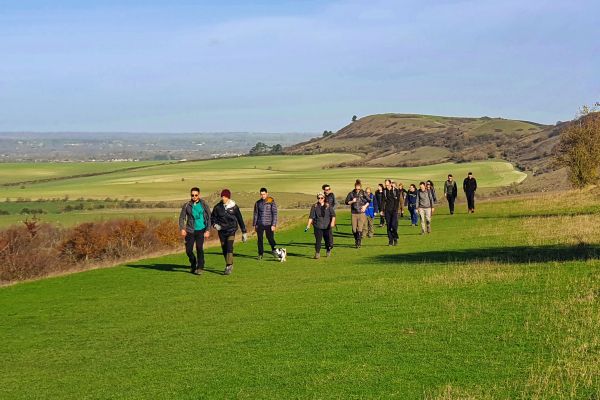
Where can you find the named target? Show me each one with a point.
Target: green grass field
(23, 172)
(501, 304)
(280, 174)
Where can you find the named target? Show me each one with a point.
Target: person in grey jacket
(425, 207)
(264, 221)
(450, 192)
(322, 218)
(194, 224)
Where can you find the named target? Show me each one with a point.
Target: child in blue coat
(411, 203)
(370, 214)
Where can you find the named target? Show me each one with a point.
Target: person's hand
(183, 233)
(217, 227)
(206, 234)
(306, 229)
(418, 210)
(381, 213)
(333, 224)
(273, 228)
(244, 237)
(432, 210)
(364, 208)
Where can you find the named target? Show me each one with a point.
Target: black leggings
(191, 239)
(227, 246)
(270, 237)
(326, 234)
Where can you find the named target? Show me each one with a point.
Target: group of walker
(389, 202)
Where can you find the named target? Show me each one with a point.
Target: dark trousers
(391, 220)
(270, 237)
(197, 239)
(451, 199)
(227, 246)
(414, 217)
(321, 234)
(471, 200)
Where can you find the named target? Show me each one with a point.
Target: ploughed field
(503, 303)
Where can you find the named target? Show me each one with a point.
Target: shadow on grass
(172, 268)
(509, 255)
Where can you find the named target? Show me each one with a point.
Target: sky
(290, 66)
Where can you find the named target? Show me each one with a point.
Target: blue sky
(273, 66)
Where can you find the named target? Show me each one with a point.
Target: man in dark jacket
(378, 202)
(450, 192)
(358, 202)
(264, 221)
(194, 224)
(470, 186)
(390, 201)
(226, 218)
(322, 217)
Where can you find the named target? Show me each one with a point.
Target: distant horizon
(265, 132)
(289, 66)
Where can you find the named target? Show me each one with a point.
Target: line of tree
(261, 148)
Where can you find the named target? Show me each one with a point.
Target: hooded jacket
(265, 212)
(228, 217)
(186, 217)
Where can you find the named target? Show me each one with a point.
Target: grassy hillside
(290, 177)
(499, 304)
(410, 140)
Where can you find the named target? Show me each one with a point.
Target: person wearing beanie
(226, 218)
(194, 224)
(322, 218)
(358, 202)
(264, 221)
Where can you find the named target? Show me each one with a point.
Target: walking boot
(317, 255)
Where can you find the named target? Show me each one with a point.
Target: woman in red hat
(226, 217)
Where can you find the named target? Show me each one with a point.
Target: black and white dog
(281, 254)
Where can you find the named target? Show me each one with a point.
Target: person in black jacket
(469, 187)
(378, 200)
(194, 224)
(450, 192)
(330, 198)
(322, 217)
(226, 218)
(390, 204)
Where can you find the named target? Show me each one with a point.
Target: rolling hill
(402, 140)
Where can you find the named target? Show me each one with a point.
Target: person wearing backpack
(226, 217)
(358, 202)
(391, 202)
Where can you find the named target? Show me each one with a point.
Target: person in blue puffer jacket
(370, 214)
(411, 203)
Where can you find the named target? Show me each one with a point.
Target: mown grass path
(485, 306)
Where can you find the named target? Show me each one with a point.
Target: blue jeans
(414, 217)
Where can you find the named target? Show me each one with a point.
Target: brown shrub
(28, 251)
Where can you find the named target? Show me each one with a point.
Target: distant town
(86, 146)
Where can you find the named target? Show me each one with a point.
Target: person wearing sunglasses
(194, 224)
(322, 218)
